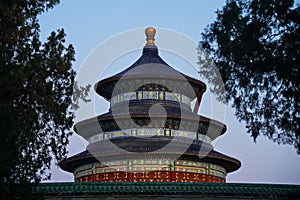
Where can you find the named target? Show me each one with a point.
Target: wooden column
(198, 101)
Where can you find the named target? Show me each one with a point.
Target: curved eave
(70, 164)
(148, 65)
(104, 153)
(85, 125)
(105, 87)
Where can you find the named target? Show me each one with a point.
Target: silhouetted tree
(36, 81)
(255, 45)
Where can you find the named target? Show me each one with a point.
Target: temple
(150, 133)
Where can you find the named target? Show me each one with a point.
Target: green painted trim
(166, 188)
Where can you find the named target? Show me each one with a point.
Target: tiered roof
(150, 73)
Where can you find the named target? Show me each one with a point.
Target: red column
(130, 177)
(172, 176)
(199, 97)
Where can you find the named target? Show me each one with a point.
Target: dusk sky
(88, 24)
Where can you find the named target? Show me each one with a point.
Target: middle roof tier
(146, 114)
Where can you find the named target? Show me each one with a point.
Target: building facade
(150, 133)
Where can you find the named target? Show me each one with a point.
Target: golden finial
(150, 33)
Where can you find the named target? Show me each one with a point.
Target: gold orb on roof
(150, 34)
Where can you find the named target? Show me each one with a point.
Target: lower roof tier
(150, 148)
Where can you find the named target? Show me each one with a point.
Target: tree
(35, 96)
(255, 45)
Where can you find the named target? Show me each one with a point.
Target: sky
(90, 24)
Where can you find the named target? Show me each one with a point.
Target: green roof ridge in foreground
(165, 188)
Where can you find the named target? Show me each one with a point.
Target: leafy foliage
(35, 97)
(255, 45)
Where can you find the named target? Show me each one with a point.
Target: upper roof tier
(150, 68)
